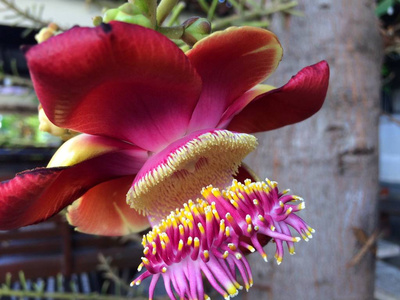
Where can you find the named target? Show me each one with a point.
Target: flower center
(180, 171)
(207, 237)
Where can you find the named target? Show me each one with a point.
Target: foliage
(385, 7)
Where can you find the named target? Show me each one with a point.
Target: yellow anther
(195, 211)
(250, 248)
(247, 190)
(181, 229)
(291, 250)
(310, 229)
(272, 227)
(264, 256)
(206, 254)
(238, 256)
(216, 215)
(180, 245)
(281, 204)
(201, 228)
(225, 255)
(227, 232)
(297, 198)
(189, 241)
(190, 224)
(278, 259)
(163, 245)
(288, 211)
(206, 192)
(232, 246)
(154, 246)
(196, 242)
(165, 238)
(261, 218)
(216, 192)
(164, 269)
(248, 219)
(174, 223)
(145, 261)
(232, 292)
(255, 202)
(233, 202)
(186, 207)
(302, 205)
(189, 216)
(146, 250)
(229, 217)
(209, 215)
(140, 267)
(286, 191)
(249, 228)
(237, 285)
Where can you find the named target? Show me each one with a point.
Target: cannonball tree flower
(166, 132)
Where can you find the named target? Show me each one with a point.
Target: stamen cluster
(208, 237)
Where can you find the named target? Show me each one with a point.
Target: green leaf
(383, 6)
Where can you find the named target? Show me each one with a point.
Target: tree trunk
(331, 160)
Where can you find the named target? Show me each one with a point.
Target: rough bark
(331, 159)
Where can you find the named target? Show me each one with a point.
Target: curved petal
(84, 147)
(296, 101)
(231, 62)
(103, 210)
(36, 195)
(118, 80)
(242, 101)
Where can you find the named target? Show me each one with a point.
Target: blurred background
(345, 161)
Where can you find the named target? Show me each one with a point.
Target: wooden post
(331, 160)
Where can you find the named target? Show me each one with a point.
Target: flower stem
(247, 16)
(211, 11)
(174, 33)
(164, 9)
(204, 5)
(175, 13)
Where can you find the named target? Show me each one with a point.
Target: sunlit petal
(296, 101)
(230, 62)
(103, 210)
(119, 80)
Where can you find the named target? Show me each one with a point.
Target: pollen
(185, 167)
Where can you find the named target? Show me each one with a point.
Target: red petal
(230, 62)
(119, 80)
(36, 195)
(296, 101)
(103, 210)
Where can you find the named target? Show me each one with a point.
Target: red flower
(159, 123)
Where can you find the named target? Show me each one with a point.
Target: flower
(161, 125)
(208, 236)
